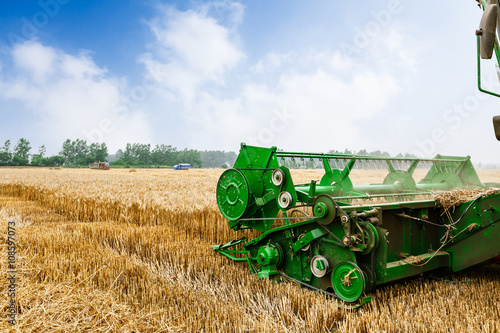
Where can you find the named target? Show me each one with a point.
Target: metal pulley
(278, 177)
(324, 209)
(319, 266)
(285, 200)
(370, 237)
(348, 281)
(233, 194)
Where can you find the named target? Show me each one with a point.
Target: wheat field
(122, 251)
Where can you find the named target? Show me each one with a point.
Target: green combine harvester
(345, 239)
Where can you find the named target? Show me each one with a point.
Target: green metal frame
(358, 246)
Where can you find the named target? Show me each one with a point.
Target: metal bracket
(308, 238)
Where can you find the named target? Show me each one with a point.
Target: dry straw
(130, 252)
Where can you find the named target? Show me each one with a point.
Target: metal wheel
(319, 266)
(348, 281)
(324, 209)
(371, 236)
(278, 177)
(233, 194)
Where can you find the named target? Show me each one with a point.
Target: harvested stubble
(144, 264)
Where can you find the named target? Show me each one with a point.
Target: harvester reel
(405, 179)
(324, 209)
(348, 281)
(233, 194)
(449, 178)
(335, 177)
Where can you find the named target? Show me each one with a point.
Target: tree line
(140, 154)
(79, 153)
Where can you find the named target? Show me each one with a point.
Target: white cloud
(315, 107)
(71, 97)
(191, 49)
(35, 59)
(323, 92)
(271, 62)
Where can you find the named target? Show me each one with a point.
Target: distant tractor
(182, 166)
(99, 166)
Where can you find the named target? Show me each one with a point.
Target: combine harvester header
(345, 239)
(327, 235)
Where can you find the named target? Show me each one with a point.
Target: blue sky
(393, 75)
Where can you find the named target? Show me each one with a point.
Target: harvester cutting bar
(314, 234)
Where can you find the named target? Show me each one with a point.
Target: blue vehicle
(182, 166)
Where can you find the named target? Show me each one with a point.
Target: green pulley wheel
(271, 254)
(371, 236)
(348, 281)
(233, 194)
(324, 209)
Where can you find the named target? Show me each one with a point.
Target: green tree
(190, 156)
(67, 152)
(38, 159)
(362, 152)
(6, 154)
(76, 152)
(98, 152)
(55, 160)
(164, 155)
(22, 152)
(82, 152)
(137, 154)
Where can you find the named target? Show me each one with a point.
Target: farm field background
(126, 251)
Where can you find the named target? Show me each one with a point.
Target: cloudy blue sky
(394, 75)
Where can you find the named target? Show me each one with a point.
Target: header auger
(344, 238)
